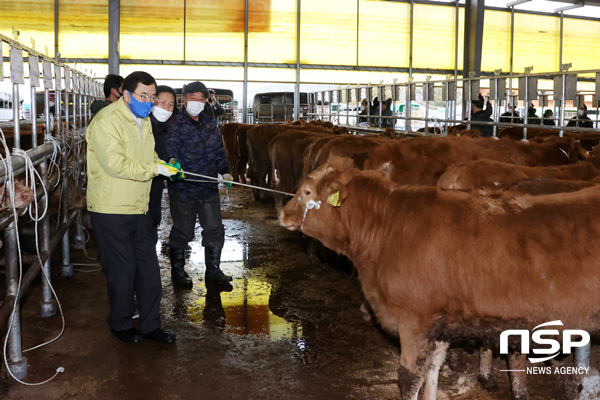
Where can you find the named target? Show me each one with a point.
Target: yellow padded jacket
(120, 161)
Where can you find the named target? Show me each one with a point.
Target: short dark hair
(112, 82)
(166, 89)
(133, 79)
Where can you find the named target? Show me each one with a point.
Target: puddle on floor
(241, 307)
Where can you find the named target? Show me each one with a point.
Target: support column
(297, 87)
(245, 90)
(16, 362)
(474, 13)
(55, 28)
(114, 28)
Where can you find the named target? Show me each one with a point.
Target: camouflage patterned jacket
(198, 146)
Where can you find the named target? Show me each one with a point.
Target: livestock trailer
(277, 107)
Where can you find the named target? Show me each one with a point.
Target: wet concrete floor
(284, 329)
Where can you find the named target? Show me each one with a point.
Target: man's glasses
(145, 97)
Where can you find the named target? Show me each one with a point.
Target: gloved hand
(180, 175)
(165, 169)
(227, 179)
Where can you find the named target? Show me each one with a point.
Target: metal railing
(446, 93)
(83, 89)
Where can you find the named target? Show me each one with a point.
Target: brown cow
(421, 161)
(488, 174)
(259, 164)
(540, 186)
(76, 197)
(442, 266)
(23, 196)
(287, 152)
(241, 147)
(229, 143)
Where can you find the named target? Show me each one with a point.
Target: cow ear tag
(335, 199)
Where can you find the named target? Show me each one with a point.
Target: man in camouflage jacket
(194, 140)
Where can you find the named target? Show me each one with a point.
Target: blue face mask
(140, 109)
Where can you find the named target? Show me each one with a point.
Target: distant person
(386, 111)
(362, 119)
(113, 90)
(374, 111)
(480, 114)
(511, 116)
(160, 116)
(532, 117)
(581, 120)
(52, 105)
(215, 110)
(547, 120)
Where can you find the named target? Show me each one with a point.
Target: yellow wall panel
(148, 32)
(496, 41)
(434, 48)
(33, 18)
(215, 30)
(276, 42)
(581, 42)
(83, 28)
(384, 29)
(537, 43)
(328, 32)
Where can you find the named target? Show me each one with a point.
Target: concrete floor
(285, 329)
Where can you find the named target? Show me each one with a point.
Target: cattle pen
(406, 189)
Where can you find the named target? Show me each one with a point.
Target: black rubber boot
(212, 257)
(178, 274)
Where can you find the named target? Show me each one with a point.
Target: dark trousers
(129, 262)
(184, 214)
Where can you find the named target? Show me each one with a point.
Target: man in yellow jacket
(120, 166)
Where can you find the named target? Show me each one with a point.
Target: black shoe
(212, 258)
(128, 336)
(178, 273)
(161, 336)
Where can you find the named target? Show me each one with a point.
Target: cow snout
(286, 221)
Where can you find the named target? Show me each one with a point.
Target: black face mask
(120, 95)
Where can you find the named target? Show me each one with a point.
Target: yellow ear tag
(335, 199)
(587, 152)
(458, 134)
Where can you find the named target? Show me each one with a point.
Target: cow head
(315, 209)
(577, 152)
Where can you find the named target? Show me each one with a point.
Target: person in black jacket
(386, 111)
(160, 116)
(194, 140)
(479, 114)
(215, 110)
(532, 117)
(581, 120)
(511, 116)
(547, 120)
(113, 91)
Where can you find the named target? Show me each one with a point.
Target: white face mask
(580, 113)
(161, 114)
(194, 108)
(51, 104)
